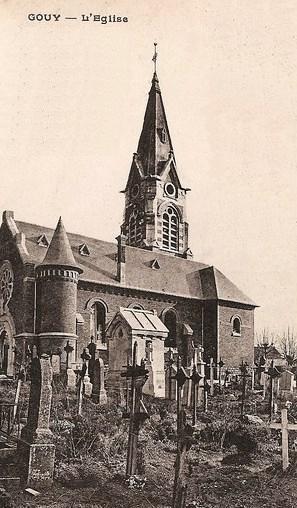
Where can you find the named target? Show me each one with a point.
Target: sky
(73, 96)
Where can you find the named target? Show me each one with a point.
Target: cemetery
(148, 429)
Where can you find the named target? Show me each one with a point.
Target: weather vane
(155, 57)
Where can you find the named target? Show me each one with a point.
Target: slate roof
(153, 152)
(145, 321)
(59, 251)
(176, 276)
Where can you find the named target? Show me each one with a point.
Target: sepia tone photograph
(148, 303)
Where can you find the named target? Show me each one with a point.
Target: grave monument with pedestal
(144, 327)
(36, 451)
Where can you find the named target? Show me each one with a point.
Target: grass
(220, 471)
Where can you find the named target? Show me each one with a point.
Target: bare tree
(288, 346)
(265, 338)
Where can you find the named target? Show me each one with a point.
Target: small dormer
(84, 249)
(155, 265)
(43, 241)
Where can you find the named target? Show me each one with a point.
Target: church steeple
(155, 216)
(155, 144)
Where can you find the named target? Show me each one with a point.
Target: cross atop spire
(155, 58)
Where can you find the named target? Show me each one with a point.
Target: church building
(58, 287)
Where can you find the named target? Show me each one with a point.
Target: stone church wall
(188, 311)
(233, 349)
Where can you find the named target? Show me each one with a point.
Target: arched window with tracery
(170, 227)
(98, 322)
(135, 229)
(171, 323)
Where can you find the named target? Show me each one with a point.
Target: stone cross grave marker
(85, 356)
(68, 350)
(35, 448)
(70, 374)
(284, 426)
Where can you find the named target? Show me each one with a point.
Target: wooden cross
(284, 426)
(220, 365)
(273, 373)
(195, 378)
(184, 433)
(244, 374)
(170, 367)
(211, 375)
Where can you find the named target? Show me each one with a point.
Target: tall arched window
(170, 229)
(98, 321)
(236, 326)
(170, 323)
(135, 229)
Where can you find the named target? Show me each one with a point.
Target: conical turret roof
(59, 252)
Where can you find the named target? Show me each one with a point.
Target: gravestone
(36, 451)
(71, 379)
(286, 381)
(99, 393)
(88, 387)
(56, 364)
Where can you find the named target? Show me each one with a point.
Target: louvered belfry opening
(170, 229)
(135, 230)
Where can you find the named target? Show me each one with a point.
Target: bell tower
(155, 201)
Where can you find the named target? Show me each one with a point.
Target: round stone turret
(56, 288)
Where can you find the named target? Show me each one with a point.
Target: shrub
(82, 473)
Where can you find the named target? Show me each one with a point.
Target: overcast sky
(73, 96)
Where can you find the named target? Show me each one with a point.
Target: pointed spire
(154, 145)
(59, 252)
